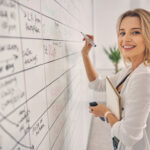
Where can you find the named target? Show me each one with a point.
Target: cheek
(119, 44)
(142, 45)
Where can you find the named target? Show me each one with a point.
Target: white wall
(140, 4)
(106, 13)
(145, 4)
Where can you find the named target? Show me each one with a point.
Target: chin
(127, 55)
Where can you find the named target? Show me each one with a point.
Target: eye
(135, 32)
(122, 33)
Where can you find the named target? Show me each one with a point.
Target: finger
(86, 40)
(91, 107)
(90, 36)
(90, 111)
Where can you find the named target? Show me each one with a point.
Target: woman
(133, 82)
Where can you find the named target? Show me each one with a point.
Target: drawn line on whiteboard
(65, 121)
(59, 114)
(59, 132)
(25, 87)
(39, 65)
(45, 39)
(62, 91)
(13, 138)
(36, 94)
(18, 143)
(66, 10)
(66, 135)
(9, 120)
(64, 126)
(46, 109)
(50, 107)
(46, 16)
(69, 12)
(72, 1)
(50, 128)
(56, 119)
(53, 123)
(58, 135)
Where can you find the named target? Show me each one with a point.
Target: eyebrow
(132, 28)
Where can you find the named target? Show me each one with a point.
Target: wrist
(106, 114)
(85, 54)
(85, 51)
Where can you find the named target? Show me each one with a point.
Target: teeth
(128, 46)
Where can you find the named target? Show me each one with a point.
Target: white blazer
(133, 130)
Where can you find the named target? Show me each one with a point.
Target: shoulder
(139, 82)
(141, 73)
(116, 78)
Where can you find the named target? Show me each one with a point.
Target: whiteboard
(41, 72)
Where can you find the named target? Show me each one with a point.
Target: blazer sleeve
(137, 106)
(99, 84)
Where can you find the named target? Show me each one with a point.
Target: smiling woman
(133, 30)
(130, 40)
(132, 82)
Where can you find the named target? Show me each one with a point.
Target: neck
(136, 62)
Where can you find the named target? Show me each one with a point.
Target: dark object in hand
(95, 104)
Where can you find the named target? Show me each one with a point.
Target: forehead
(130, 22)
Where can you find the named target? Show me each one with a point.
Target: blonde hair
(144, 17)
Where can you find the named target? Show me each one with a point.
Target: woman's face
(130, 38)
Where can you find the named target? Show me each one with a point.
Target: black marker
(95, 104)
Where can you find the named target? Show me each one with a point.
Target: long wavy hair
(144, 17)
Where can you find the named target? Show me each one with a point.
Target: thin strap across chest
(122, 81)
(115, 139)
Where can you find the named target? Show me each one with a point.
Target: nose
(127, 38)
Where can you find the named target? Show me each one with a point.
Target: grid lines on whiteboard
(39, 75)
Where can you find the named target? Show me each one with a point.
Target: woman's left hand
(99, 110)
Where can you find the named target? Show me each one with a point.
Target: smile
(128, 47)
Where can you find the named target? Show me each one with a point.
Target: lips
(128, 47)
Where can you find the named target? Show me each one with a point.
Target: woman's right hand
(87, 47)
